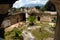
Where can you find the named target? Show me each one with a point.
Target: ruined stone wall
(13, 19)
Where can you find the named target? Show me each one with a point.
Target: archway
(57, 5)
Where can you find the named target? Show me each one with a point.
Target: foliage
(43, 8)
(32, 18)
(50, 6)
(14, 34)
(37, 7)
(18, 33)
(14, 9)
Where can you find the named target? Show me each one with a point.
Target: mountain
(32, 5)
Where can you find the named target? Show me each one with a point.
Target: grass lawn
(41, 35)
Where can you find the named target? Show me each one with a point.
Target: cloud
(33, 1)
(37, 1)
(18, 4)
(21, 3)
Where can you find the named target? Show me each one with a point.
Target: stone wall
(10, 20)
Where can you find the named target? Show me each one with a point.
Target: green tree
(43, 8)
(37, 7)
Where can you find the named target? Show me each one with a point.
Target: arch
(57, 30)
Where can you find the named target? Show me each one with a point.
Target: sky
(21, 3)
